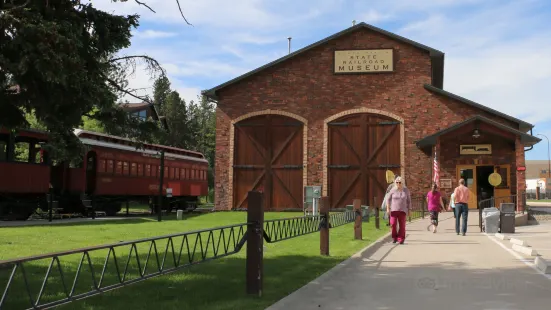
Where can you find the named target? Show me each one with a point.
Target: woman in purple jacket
(398, 206)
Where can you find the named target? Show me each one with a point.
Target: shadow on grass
(134, 219)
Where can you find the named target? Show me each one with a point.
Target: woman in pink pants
(398, 206)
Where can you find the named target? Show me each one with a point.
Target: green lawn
(219, 284)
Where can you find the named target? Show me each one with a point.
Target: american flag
(436, 171)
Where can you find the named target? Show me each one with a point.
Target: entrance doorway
(477, 181)
(484, 190)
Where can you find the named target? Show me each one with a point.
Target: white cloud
(374, 16)
(154, 34)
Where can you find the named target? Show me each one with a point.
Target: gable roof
(524, 126)
(135, 107)
(524, 137)
(437, 57)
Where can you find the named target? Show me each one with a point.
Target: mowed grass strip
(218, 284)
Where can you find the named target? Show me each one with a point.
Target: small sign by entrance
(494, 179)
(475, 149)
(445, 183)
(364, 61)
(169, 192)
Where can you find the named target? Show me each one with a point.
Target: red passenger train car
(111, 172)
(24, 173)
(114, 171)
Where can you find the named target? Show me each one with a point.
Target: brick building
(343, 111)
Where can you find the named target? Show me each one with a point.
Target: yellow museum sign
(364, 61)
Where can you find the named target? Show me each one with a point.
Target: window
(153, 170)
(125, 167)
(147, 170)
(193, 174)
(3, 151)
(171, 173)
(182, 174)
(119, 167)
(166, 173)
(110, 166)
(140, 169)
(101, 167)
(133, 168)
(177, 173)
(503, 172)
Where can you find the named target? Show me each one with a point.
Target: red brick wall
(503, 153)
(305, 85)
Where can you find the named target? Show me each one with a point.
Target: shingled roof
(437, 57)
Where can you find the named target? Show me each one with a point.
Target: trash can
(180, 214)
(507, 218)
(490, 220)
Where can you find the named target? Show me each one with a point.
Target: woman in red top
(435, 205)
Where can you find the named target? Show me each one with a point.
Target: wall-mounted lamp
(476, 134)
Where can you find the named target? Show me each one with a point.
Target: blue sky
(498, 52)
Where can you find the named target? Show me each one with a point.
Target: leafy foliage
(59, 63)
(192, 126)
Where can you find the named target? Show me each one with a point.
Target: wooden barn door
(268, 156)
(361, 148)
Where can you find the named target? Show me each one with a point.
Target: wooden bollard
(324, 226)
(358, 220)
(255, 243)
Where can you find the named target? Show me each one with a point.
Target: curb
(543, 265)
(524, 250)
(516, 241)
(502, 236)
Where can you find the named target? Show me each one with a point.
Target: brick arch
(360, 111)
(265, 112)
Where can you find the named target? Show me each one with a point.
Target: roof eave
(432, 52)
(522, 124)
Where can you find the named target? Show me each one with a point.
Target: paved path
(429, 272)
(537, 237)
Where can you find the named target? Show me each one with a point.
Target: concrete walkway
(429, 272)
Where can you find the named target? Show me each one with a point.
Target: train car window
(140, 169)
(153, 170)
(171, 173)
(101, 167)
(177, 173)
(147, 170)
(182, 174)
(21, 151)
(133, 169)
(166, 173)
(119, 168)
(125, 168)
(110, 166)
(3, 151)
(193, 174)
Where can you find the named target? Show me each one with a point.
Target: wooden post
(537, 193)
(324, 226)
(255, 243)
(358, 220)
(377, 220)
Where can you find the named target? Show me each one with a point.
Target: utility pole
(160, 204)
(548, 163)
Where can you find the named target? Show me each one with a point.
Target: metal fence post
(255, 243)
(377, 220)
(127, 207)
(324, 226)
(358, 220)
(162, 176)
(51, 205)
(423, 208)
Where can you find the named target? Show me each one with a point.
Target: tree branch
(14, 7)
(122, 90)
(182, 13)
(147, 6)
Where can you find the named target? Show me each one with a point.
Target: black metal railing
(283, 229)
(41, 281)
(495, 202)
(44, 281)
(341, 218)
(544, 194)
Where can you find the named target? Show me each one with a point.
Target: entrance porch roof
(526, 139)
